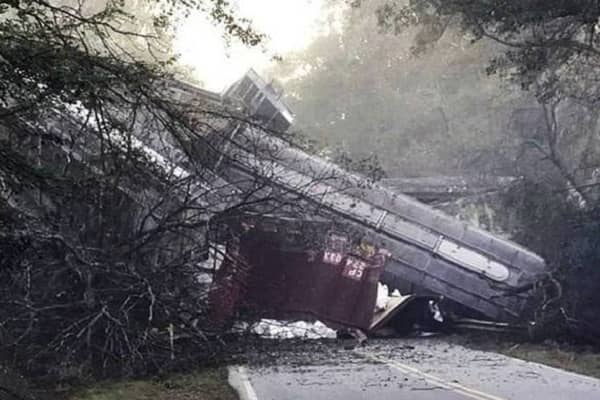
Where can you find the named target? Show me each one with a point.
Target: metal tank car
(431, 252)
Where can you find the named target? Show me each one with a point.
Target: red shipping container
(270, 272)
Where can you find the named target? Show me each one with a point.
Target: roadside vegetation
(101, 236)
(207, 384)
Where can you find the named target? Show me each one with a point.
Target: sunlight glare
(289, 24)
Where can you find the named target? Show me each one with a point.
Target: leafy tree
(364, 91)
(548, 47)
(106, 187)
(543, 39)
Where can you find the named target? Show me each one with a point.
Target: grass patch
(581, 359)
(207, 384)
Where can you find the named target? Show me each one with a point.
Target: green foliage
(569, 239)
(545, 41)
(81, 52)
(416, 93)
(208, 384)
(366, 93)
(99, 237)
(370, 167)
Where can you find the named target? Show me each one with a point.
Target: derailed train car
(295, 268)
(430, 251)
(261, 100)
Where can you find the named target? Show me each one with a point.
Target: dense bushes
(568, 237)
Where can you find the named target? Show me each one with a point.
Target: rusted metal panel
(334, 282)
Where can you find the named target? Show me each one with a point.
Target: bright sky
(289, 24)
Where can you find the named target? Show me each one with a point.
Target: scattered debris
(275, 271)
(272, 329)
(296, 269)
(308, 269)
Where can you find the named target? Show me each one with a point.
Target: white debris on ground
(273, 329)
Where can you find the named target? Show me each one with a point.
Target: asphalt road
(412, 369)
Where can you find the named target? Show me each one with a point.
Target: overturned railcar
(262, 100)
(295, 268)
(430, 251)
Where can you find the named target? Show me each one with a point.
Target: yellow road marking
(458, 388)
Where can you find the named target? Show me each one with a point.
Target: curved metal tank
(429, 249)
